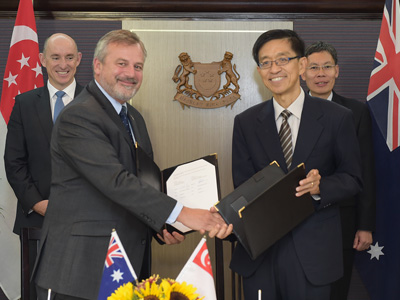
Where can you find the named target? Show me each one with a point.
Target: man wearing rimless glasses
(294, 128)
(357, 213)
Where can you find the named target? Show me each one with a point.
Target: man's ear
(79, 58)
(42, 60)
(303, 64)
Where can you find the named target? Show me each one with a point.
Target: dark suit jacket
(326, 141)
(364, 203)
(27, 153)
(93, 191)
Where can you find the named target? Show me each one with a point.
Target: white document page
(194, 185)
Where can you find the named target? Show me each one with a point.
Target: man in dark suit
(95, 188)
(27, 149)
(357, 213)
(320, 134)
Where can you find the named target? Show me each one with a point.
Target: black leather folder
(149, 172)
(265, 208)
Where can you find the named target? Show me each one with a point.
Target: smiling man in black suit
(27, 150)
(294, 128)
(357, 213)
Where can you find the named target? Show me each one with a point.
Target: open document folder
(195, 184)
(265, 208)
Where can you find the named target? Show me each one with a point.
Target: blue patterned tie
(59, 104)
(125, 120)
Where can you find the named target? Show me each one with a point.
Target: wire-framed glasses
(279, 62)
(325, 68)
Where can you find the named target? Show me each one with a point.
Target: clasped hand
(309, 184)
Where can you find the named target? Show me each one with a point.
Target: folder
(265, 207)
(195, 183)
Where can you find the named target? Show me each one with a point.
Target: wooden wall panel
(240, 6)
(182, 135)
(355, 42)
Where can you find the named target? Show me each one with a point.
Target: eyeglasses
(279, 62)
(325, 68)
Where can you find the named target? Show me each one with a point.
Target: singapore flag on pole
(198, 272)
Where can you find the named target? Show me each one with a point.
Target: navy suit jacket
(326, 141)
(364, 203)
(27, 153)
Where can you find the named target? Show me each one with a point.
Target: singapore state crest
(208, 91)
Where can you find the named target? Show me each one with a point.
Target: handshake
(201, 220)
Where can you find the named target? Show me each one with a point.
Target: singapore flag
(198, 272)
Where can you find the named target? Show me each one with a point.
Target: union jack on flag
(117, 268)
(113, 251)
(384, 85)
(379, 266)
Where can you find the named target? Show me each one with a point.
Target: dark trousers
(341, 287)
(281, 277)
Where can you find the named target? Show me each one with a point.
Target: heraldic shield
(207, 80)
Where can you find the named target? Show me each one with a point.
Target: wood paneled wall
(227, 6)
(180, 135)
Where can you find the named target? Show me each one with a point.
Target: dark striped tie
(285, 135)
(124, 117)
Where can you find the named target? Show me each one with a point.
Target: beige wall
(182, 135)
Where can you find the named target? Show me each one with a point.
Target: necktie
(125, 120)
(59, 104)
(285, 136)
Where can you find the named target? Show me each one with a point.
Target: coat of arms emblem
(207, 91)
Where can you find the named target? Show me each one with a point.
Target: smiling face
(320, 82)
(121, 72)
(61, 58)
(282, 81)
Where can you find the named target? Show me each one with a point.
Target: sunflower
(124, 292)
(149, 289)
(183, 291)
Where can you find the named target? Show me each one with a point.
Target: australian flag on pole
(379, 267)
(117, 268)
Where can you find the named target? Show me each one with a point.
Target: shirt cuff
(316, 197)
(175, 213)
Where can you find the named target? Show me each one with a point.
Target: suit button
(143, 242)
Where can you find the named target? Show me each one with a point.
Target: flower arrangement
(155, 288)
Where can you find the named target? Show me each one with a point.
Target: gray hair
(120, 36)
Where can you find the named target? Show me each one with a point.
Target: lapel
(43, 111)
(135, 128)
(268, 135)
(109, 110)
(309, 131)
(336, 98)
(78, 89)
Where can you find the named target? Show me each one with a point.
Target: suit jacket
(94, 190)
(326, 141)
(27, 153)
(364, 203)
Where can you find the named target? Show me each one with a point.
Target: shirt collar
(330, 97)
(295, 108)
(69, 90)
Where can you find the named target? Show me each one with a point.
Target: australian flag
(379, 267)
(117, 268)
